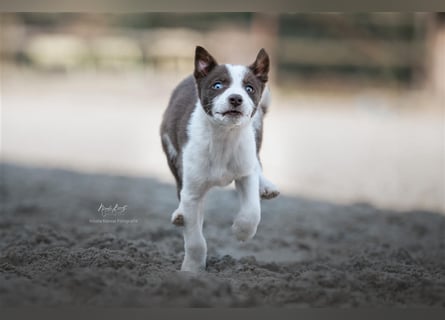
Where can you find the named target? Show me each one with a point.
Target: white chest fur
(215, 155)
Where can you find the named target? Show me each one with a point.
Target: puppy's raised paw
(177, 219)
(244, 229)
(268, 190)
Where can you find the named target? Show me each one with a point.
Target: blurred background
(357, 109)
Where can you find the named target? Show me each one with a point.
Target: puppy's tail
(265, 100)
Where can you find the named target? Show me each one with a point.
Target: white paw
(197, 264)
(268, 190)
(245, 228)
(177, 218)
(194, 267)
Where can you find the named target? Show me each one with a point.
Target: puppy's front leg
(248, 218)
(194, 242)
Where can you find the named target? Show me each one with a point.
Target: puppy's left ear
(260, 67)
(204, 62)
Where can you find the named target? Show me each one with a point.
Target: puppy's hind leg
(267, 189)
(178, 215)
(177, 218)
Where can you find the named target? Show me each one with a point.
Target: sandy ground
(306, 253)
(360, 221)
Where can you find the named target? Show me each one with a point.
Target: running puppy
(211, 134)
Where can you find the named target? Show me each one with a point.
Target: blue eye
(217, 85)
(249, 89)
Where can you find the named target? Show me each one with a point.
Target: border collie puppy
(211, 134)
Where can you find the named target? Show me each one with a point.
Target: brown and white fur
(211, 134)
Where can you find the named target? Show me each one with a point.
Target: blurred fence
(386, 47)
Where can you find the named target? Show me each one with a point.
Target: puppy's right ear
(260, 67)
(204, 62)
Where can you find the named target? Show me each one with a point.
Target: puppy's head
(230, 94)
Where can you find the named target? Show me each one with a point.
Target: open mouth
(232, 113)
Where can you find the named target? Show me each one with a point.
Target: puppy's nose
(235, 100)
